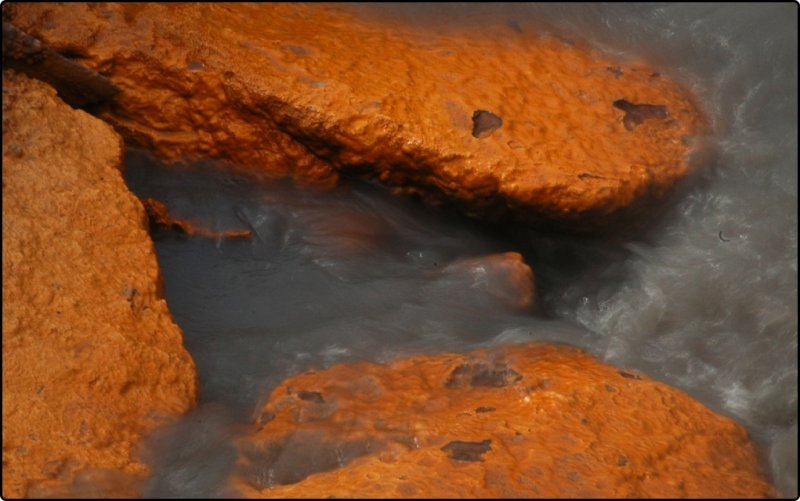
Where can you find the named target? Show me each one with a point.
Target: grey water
(704, 299)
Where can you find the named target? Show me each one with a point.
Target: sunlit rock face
(530, 420)
(540, 130)
(91, 357)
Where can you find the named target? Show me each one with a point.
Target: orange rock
(515, 125)
(91, 356)
(160, 218)
(505, 277)
(533, 420)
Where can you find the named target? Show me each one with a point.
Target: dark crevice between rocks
(78, 85)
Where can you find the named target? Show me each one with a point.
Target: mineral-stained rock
(505, 277)
(91, 356)
(534, 420)
(514, 125)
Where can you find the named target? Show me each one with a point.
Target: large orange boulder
(508, 124)
(92, 359)
(533, 420)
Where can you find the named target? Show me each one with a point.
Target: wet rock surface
(315, 90)
(507, 278)
(161, 219)
(91, 357)
(556, 430)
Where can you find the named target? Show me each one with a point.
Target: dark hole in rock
(485, 409)
(629, 375)
(467, 451)
(635, 114)
(311, 396)
(481, 375)
(484, 123)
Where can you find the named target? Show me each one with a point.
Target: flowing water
(705, 299)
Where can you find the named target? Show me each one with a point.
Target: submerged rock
(315, 90)
(504, 277)
(160, 218)
(92, 359)
(533, 420)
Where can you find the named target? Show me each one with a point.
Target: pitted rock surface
(513, 126)
(547, 425)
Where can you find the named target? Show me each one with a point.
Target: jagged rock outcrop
(534, 129)
(92, 359)
(533, 420)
